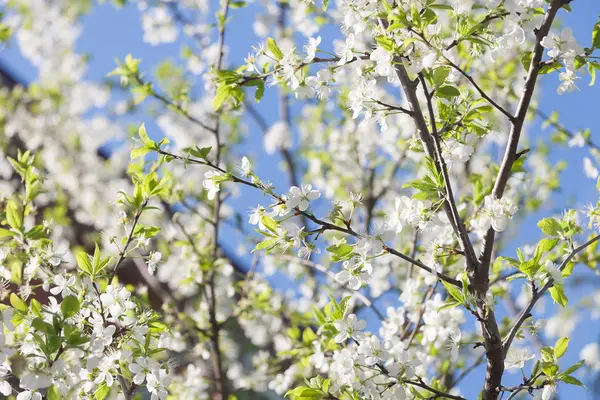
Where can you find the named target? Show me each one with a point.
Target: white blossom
(517, 357)
(350, 327)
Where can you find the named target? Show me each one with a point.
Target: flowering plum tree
(402, 130)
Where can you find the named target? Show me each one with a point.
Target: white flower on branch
(455, 153)
(517, 357)
(301, 197)
(496, 213)
(350, 327)
(245, 167)
(153, 260)
(211, 184)
(554, 273)
(311, 48)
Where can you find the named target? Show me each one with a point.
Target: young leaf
(573, 368)
(84, 263)
(550, 226)
(571, 380)
(139, 152)
(14, 215)
(266, 244)
(274, 49)
(454, 292)
(18, 304)
(269, 223)
(144, 135)
(558, 295)
(447, 92)
(561, 347)
(69, 306)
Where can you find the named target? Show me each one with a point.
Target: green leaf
(36, 307)
(144, 135)
(18, 304)
(265, 244)
(260, 91)
(42, 326)
(385, 42)
(326, 384)
(571, 380)
(440, 74)
(526, 60)
(547, 353)
(550, 226)
(447, 92)
(340, 252)
(69, 306)
(53, 393)
(544, 246)
(513, 262)
(558, 294)
(269, 223)
(101, 392)
(454, 292)
(325, 5)
(449, 304)
(561, 347)
(96, 259)
(308, 336)
(14, 215)
(305, 393)
(76, 339)
(223, 92)
(549, 368)
(139, 152)
(596, 36)
(6, 233)
(573, 368)
(84, 263)
(200, 152)
(274, 49)
(529, 268)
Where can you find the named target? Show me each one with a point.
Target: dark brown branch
(420, 383)
(494, 348)
(461, 231)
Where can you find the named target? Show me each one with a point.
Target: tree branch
(420, 383)
(480, 90)
(510, 155)
(495, 350)
(324, 224)
(461, 231)
(526, 313)
(563, 129)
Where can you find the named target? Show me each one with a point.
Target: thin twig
(324, 224)
(420, 383)
(123, 251)
(321, 268)
(526, 313)
(461, 231)
(480, 90)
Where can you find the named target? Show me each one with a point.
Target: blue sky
(110, 34)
